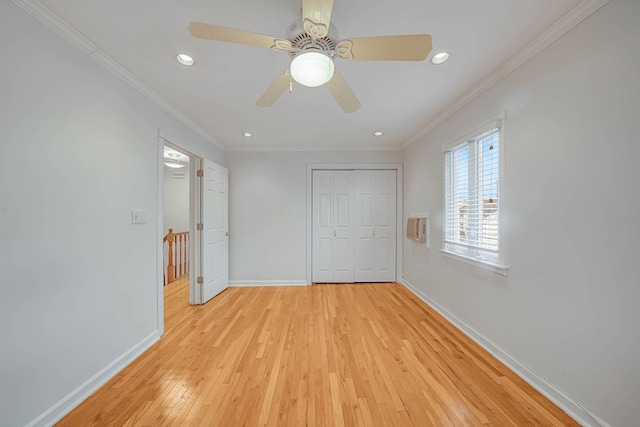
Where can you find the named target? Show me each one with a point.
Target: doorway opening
(177, 248)
(193, 217)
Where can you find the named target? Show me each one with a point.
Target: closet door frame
(354, 166)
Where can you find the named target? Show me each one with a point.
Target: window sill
(496, 268)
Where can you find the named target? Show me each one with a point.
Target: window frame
(472, 255)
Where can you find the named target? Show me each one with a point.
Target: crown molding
(332, 148)
(583, 10)
(60, 27)
(572, 18)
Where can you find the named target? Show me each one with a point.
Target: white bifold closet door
(375, 246)
(333, 226)
(354, 226)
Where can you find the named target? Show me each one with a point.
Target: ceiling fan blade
(231, 35)
(277, 88)
(342, 93)
(318, 12)
(413, 47)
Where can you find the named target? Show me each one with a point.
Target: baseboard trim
(240, 283)
(77, 396)
(563, 400)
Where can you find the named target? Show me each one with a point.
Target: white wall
(267, 192)
(568, 308)
(175, 200)
(79, 151)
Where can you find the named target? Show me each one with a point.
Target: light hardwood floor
(322, 355)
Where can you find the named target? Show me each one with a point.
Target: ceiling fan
(312, 42)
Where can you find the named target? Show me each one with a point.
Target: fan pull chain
(290, 84)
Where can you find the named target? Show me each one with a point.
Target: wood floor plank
(322, 355)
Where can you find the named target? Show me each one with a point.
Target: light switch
(138, 216)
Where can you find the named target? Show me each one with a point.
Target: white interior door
(343, 192)
(215, 230)
(322, 219)
(375, 225)
(333, 219)
(385, 230)
(365, 189)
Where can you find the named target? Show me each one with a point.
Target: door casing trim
(355, 166)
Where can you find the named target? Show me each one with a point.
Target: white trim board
(576, 15)
(84, 390)
(314, 148)
(194, 218)
(241, 283)
(43, 14)
(559, 397)
(160, 236)
(572, 18)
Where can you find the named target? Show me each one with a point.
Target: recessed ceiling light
(378, 133)
(440, 58)
(185, 59)
(248, 134)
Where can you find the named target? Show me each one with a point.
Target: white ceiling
(219, 93)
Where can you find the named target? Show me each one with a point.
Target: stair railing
(176, 253)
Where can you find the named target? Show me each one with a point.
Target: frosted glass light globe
(312, 69)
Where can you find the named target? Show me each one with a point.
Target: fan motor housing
(301, 40)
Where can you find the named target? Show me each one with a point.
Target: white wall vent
(418, 228)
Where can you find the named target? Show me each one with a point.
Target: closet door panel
(332, 222)
(343, 215)
(354, 226)
(375, 226)
(365, 196)
(365, 210)
(322, 220)
(385, 228)
(324, 211)
(325, 256)
(383, 214)
(385, 254)
(343, 261)
(364, 258)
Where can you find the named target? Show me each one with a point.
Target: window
(472, 199)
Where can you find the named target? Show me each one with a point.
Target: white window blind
(472, 198)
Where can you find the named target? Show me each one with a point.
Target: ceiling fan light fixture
(185, 59)
(440, 58)
(312, 69)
